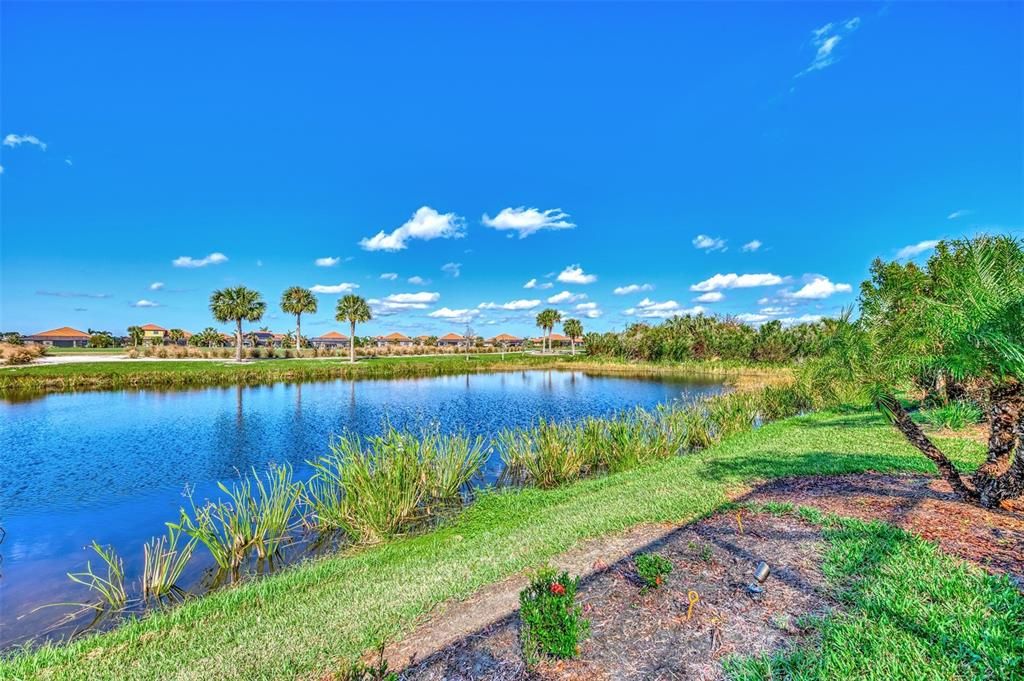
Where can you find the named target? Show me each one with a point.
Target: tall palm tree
(135, 334)
(297, 300)
(355, 310)
(573, 329)
(542, 324)
(236, 304)
(547, 320)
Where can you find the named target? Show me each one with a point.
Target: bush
(551, 621)
(20, 354)
(652, 568)
(955, 415)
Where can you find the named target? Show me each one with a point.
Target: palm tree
(236, 304)
(546, 320)
(573, 329)
(209, 336)
(297, 300)
(175, 335)
(135, 334)
(355, 310)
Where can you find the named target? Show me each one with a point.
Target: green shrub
(955, 415)
(652, 568)
(551, 621)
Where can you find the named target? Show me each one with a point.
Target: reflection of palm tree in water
(239, 420)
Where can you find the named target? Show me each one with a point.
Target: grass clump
(652, 569)
(110, 588)
(552, 622)
(162, 565)
(956, 415)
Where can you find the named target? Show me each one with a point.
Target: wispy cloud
(818, 288)
(452, 269)
(72, 294)
(574, 274)
(343, 287)
(526, 221)
(589, 310)
(566, 297)
(190, 262)
(418, 280)
(13, 140)
(916, 249)
(825, 41)
(534, 284)
(426, 224)
(399, 302)
(733, 280)
(751, 246)
(156, 286)
(448, 314)
(958, 214)
(708, 244)
(389, 276)
(632, 288)
(145, 303)
(663, 310)
(326, 262)
(522, 304)
(710, 297)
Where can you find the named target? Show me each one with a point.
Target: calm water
(112, 466)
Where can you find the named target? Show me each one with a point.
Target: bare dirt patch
(637, 635)
(991, 538)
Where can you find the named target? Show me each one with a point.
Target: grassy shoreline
(311, 618)
(102, 375)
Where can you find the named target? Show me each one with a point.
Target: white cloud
(819, 287)
(530, 284)
(426, 223)
(1, 170)
(327, 262)
(156, 286)
(145, 303)
(13, 140)
(389, 276)
(709, 244)
(566, 297)
(212, 259)
(776, 311)
(534, 284)
(452, 269)
(751, 246)
(632, 288)
(589, 310)
(399, 302)
(418, 297)
(526, 221)
(343, 287)
(574, 274)
(733, 280)
(751, 318)
(462, 316)
(802, 319)
(669, 308)
(522, 304)
(710, 297)
(825, 40)
(916, 249)
(418, 281)
(958, 214)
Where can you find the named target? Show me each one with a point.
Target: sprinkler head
(762, 571)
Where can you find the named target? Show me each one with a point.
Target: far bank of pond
(113, 466)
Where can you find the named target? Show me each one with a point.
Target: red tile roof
(332, 335)
(62, 332)
(451, 337)
(505, 337)
(394, 337)
(152, 327)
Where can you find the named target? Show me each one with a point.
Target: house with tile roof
(394, 340)
(451, 340)
(64, 337)
(153, 334)
(331, 339)
(506, 340)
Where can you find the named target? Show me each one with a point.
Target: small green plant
(162, 565)
(652, 569)
(551, 621)
(110, 588)
(955, 415)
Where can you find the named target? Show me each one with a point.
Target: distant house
(558, 339)
(394, 340)
(64, 337)
(331, 339)
(153, 334)
(278, 340)
(422, 340)
(258, 338)
(451, 340)
(504, 339)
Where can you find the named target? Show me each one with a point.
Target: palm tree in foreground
(573, 329)
(236, 304)
(355, 310)
(297, 300)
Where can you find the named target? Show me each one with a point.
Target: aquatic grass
(109, 588)
(163, 563)
(454, 461)
(546, 455)
(275, 509)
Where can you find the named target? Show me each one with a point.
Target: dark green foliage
(955, 415)
(652, 569)
(551, 621)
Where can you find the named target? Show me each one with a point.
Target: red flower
(657, 580)
(557, 589)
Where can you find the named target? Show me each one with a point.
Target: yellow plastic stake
(739, 520)
(694, 598)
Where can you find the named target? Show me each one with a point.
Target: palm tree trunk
(1002, 474)
(572, 341)
(352, 343)
(298, 335)
(238, 342)
(915, 436)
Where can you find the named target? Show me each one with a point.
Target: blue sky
(636, 160)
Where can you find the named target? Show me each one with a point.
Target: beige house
(394, 340)
(451, 340)
(331, 339)
(64, 337)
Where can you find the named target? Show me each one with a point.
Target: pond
(115, 466)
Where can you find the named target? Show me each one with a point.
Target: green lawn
(311, 618)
